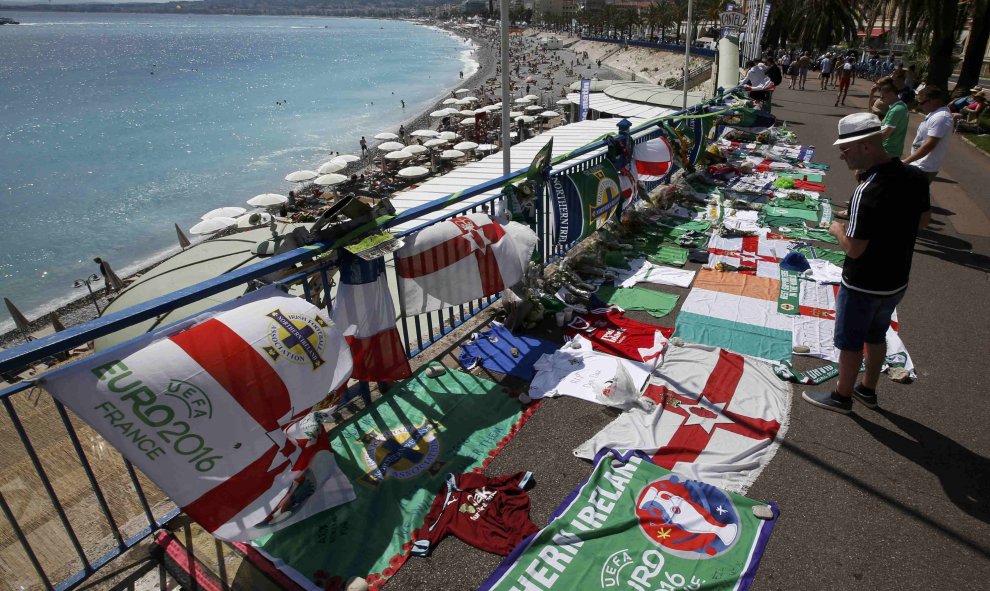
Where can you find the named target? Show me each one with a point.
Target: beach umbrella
(267, 200)
(533, 108)
(328, 180)
(212, 225)
(251, 220)
(329, 167)
(452, 111)
(411, 172)
(467, 122)
(487, 148)
(482, 110)
(549, 114)
(345, 158)
(463, 102)
(301, 176)
(467, 112)
(461, 91)
(439, 114)
(447, 135)
(450, 101)
(565, 102)
(386, 135)
(451, 155)
(497, 105)
(514, 114)
(522, 101)
(223, 212)
(398, 155)
(434, 143)
(416, 149)
(465, 146)
(20, 321)
(390, 146)
(531, 97)
(471, 99)
(526, 119)
(425, 133)
(183, 241)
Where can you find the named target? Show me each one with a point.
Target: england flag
(460, 260)
(218, 411)
(364, 312)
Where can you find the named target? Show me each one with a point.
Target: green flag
(636, 526)
(584, 201)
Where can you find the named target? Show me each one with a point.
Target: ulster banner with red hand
(218, 411)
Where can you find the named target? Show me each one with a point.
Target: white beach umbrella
(452, 111)
(451, 155)
(522, 101)
(450, 101)
(390, 146)
(497, 105)
(533, 108)
(447, 135)
(416, 149)
(471, 99)
(251, 220)
(549, 114)
(462, 91)
(463, 102)
(328, 180)
(329, 167)
(212, 225)
(565, 102)
(411, 172)
(467, 112)
(465, 146)
(467, 122)
(532, 97)
(345, 158)
(514, 114)
(386, 135)
(267, 200)
(398, 155)
(526, 119)
(439, 114)
(482, 110)
(301, 176)
(487, 148)
(434, 142)
(425, 133)
(223, 212)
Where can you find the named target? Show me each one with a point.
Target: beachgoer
(888, 208)
(402, 133)
(826, 70)
(932, 139)
(804, 62)
(845, 79)
(111, 282)
(793, 70)
(364, 146)
(403, 103)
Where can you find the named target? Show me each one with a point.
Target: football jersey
(579, 371)
(611, 332)
(491, 514)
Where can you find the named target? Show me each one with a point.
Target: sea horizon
(135, 155)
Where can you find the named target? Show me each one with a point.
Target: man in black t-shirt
(887, 209)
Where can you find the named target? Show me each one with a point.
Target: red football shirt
(611, 332)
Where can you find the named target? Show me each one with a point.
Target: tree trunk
(976, 47)
(943, 43)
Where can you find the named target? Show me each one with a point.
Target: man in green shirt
(895, 122)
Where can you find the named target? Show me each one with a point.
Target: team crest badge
(401, 453)
(299, 338)
(606, 199)
(687, 518)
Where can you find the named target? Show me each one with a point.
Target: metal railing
(72, 504)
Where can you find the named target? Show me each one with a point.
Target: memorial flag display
(364, 313)
(460, 260)
(584, 201)
(756, 255)
(635, 525)
(217, 412)
(653, 159)
(719, 417)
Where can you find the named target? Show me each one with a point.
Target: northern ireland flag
(460, 260)
(737, 312)
(364, 313)
(218, 412)
(756, 255)
(653, 159)
(719, 418)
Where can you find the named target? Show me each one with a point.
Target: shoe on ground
(867, 399)
(829, 401)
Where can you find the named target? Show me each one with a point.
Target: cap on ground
(857, 126)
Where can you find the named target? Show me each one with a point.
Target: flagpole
(506, 140)
(687, 53)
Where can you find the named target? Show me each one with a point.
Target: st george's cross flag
(653, 159)
(218, 411)
(756, 255)
(719, 417)
(364, 313)
(460, 260)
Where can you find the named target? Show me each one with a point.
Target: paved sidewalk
(896, 498)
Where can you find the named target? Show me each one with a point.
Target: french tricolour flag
(364, 312)
(653, 159)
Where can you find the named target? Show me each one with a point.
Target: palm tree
(976, 47)
(814, 24)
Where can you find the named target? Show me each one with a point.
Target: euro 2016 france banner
(719, 417)
(217, 411)
(460, 260)
(584, 201)
(635, 526)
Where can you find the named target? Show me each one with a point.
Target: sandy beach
(551, 72)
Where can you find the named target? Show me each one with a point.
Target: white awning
(605, 104)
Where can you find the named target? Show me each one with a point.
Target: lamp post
(92, 296)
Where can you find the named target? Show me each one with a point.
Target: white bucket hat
(857, 126)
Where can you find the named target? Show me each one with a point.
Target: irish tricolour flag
(737, 312)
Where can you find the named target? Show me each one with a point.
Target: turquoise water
(113, 127)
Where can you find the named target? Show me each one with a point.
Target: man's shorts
(824, 74)
(862, 318)
(844, 84)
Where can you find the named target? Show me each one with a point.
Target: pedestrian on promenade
(845, 79)
(804, 62)
(895, 122)
(826, 71)
(888, 208)
(364, 146)
(932, 138)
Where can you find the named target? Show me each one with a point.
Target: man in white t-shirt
(826, 72)
(932, 138)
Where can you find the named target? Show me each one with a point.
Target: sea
(114, 127)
